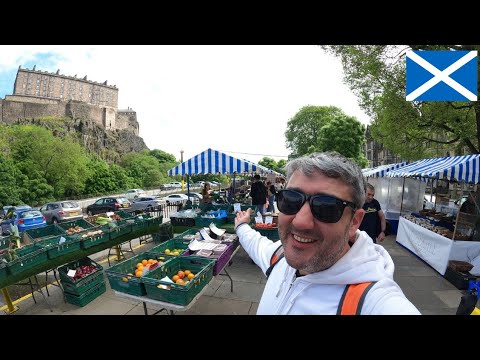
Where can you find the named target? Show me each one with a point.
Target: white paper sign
(109, 213)
(205, 235)
(258, 213)
(259, 219)
(237, 207)
(268, 219)
(216, 231)
(61, 240)
(71, 273)
(198, 245)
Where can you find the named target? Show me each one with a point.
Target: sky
(237, 99)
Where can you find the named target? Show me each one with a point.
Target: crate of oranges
(127, 276)
(179, 280)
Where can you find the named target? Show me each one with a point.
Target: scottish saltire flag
(442, 76)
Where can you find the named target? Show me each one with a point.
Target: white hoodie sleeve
(259, 248)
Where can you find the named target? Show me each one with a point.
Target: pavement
(423, 286)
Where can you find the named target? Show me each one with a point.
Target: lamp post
(181, 160)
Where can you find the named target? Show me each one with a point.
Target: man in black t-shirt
(373, 216)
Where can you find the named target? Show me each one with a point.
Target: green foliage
(9, 189)
(413, 130)
(272, 164)
(325, 128)
(162, 156)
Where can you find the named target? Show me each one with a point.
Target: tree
(413, 130)
(326, 128)
(272, 164)
(162, 156)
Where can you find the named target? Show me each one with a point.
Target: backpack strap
(353, 297)
(276, 257)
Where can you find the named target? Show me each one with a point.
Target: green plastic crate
(4, 242)
(45, 232)
(119, 228)
(65, 279)
(90, 282)
(176, 293)
(205, 222)
(171, 244)
(121, 276)
(124, 214)
(3, 269)
(272, 234)
(87, 296)
(29, 256)
(55, 249)
(188, 232)
(94, 240)
(71, 224)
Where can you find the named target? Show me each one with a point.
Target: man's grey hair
(369, 186)
(332, 165)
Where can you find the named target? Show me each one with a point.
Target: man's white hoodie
(320, 293)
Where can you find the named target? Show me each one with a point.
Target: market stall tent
(216, 162)
(434, 249)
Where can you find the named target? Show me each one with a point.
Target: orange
(175, 278)
(190, 276)
(150, 261)
(124, 279)
(180, 281)
(187, 272)
(138, 273)
(181, 274)
(139, 264)
(144, 262)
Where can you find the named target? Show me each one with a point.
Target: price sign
(237, 207)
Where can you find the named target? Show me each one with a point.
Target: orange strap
(353, 297)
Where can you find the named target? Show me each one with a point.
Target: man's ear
(356, 222)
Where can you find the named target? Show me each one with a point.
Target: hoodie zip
(288, 291)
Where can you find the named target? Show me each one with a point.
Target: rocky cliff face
(107, 144)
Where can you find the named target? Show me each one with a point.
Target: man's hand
(243, 217)
(381, 236)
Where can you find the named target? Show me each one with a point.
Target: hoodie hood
(364, 262)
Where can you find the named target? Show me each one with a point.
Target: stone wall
(81, 110)
(127, 120)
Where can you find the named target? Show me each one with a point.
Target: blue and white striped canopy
(381, 170)
(213, 162)
(454, 168)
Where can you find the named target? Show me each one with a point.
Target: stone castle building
(40, 94)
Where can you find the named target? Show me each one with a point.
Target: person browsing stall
(327, 266)
(207, 194)
(373, 223)
(258, 192)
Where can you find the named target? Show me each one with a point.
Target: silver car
(59, 211)
(146, 202)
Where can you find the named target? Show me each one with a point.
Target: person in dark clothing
(373, 215)
(271, 196)
(469, 206)
(258, 192)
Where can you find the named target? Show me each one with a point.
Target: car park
(24, 219)
(105, 204)
(59, 211)
(134, 194)
(146, 202)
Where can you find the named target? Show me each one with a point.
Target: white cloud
(231, 98)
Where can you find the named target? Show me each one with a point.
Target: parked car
(134, 194)
(173, 184)
(194, 197)
(59, 211)
(146, 202)
(24, 219)
(176, 198)
(105, 204)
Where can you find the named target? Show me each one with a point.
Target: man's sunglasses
(325, 208)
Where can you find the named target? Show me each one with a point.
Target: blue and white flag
(442, 76)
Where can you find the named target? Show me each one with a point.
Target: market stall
(427, 233)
